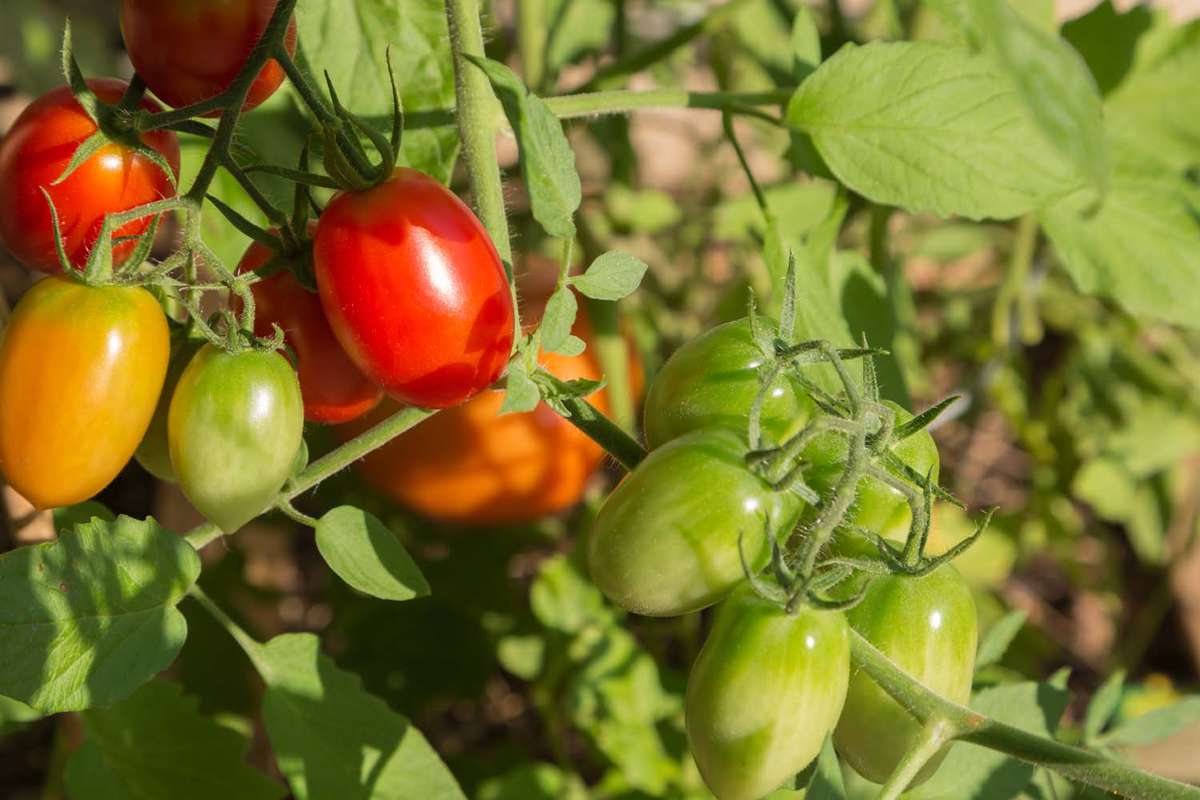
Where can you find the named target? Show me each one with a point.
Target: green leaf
(521, 394)
(558, 319)
(641, 210)
(1104, 704)
(975, 773)
(68, 517)
(523, 656)
(826, 782)
(87, 619)
(1107, 41)
(368, 556)
(999, 637)
(157, 744)
(1141, 248)
(14, 715)
(332, 738)
(928, 127)
(547, 161)
(1154, 725)
(564, 600)
(1157, 105)
(611, 276)
(350, 38)
(806, 43)
(1054, 83)
(225, 240)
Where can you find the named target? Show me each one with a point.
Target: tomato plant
(712, 380)
(208, 44)
(666, 540)
(765, 691)
(37, 150)
(234, 429)
(409, 250)
(154, 451)
(334, 389)
(927, 627)
(81, 368)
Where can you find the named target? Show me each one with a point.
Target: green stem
(966, 725)
(1014, 280)
(934, 736)
(328, 464)
(623, 101)
(476, 121)
(247, 642)
(604, 432)
(657, 51)
(531, 38)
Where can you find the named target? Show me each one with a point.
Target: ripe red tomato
(334, 389)
(81, 368)
(188, 51)
(467, 464)
(37, 150)
(414, 290)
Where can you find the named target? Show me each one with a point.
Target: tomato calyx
(346, 159)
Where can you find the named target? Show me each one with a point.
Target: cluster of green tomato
(678, 533)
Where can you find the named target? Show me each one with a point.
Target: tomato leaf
(826, 782)
(611, 276)
(332, 738)
(999, 637)
(1153, 725)
(68, 517)
(806, 43)
(558, 319)
(368, 556)
(133, 752)
(1054, 83)
(87, 619)
(1104, 704)
(547, 161)
(1139, 248)
(521, 393)
(928, 127)
(349, 40)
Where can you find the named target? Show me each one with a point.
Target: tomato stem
(934, 736)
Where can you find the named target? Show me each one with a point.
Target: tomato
(334, 389)
(115, 178)
(80, 370)
(877, 506)
(154, 454)
(927, 626)
(234, 430)
(712, 381)
(468, 464)
(188, 51)
(414, 290)
(764, 693)
(665, 542)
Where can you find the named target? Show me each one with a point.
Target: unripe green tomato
(154, 454)
(764, 693)
(877, 506)
(927, 626)
(711, 382)
(666, 540)
(234, 428)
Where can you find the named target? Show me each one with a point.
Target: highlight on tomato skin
(208, 45)
(36, 151)
(334, 389)
(81, 369)
(414, 290)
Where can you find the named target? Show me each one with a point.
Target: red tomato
(115, 178)
(467, 464)
(188, 51)
(414, 290)
(334, 389)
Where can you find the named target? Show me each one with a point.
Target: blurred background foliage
(1079, 422)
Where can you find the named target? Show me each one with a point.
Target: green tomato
(711, 382)
(877, 506)
(764, 693)
(666, 540)
(154, 454)
(235, 425)
(927, 627)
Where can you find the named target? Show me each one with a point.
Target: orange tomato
(467, 464)
(81, 368)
